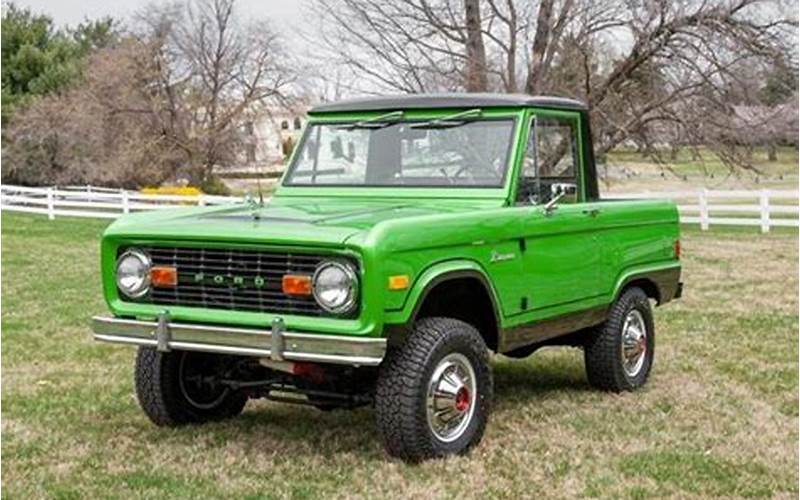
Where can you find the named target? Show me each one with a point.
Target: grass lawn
(718, 418)
(628, 171)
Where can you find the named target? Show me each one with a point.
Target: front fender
(433, 275)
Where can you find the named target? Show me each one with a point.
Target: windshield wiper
(374, 123)
(455, 120)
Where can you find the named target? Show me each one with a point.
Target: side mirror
(559, 189)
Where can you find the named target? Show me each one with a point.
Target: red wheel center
(641, 345)
(462, 399)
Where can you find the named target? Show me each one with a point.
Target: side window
(550, 165)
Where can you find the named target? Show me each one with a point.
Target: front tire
(182, 387)
(434, 393)
(619, 353)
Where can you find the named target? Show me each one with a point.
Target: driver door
(561, 258)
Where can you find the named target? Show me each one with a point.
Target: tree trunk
(476, 78)
(511, 66)
(772, 152)
(541, 39)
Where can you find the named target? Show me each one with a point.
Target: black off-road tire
(603, 349)
(159, 392)
(402, 385)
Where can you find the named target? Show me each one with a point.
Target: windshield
(422, 154)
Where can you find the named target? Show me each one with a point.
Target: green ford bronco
(409, 237)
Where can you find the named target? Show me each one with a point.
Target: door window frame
(575, 120)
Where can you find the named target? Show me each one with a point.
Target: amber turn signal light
(398, 282)
(163, 276)
(296, 284)
(678, 249)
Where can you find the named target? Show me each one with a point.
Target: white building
(271, 134)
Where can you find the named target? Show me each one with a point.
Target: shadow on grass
(537, 376)
(308, 431)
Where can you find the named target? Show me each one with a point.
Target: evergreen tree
(39, 59)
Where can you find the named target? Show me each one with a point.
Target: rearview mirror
(336, 148)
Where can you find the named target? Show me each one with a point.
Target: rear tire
(619, 353)
(181, 387)
(434, 393)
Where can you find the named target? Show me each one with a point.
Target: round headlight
(335, 287)
(133, 273)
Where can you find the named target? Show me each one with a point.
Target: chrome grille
(236, 279)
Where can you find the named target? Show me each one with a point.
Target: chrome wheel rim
(452, 392)
(634, 343)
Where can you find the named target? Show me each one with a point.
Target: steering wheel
(449, 179)
(465, 168)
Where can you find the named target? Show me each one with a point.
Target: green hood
(291, 220)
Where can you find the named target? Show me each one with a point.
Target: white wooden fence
(764, 208)
(89, 201)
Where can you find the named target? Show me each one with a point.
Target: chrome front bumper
(276, 343)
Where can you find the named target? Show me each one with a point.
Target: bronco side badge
(499, 257)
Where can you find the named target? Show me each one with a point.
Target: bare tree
(214, 70)
(170, 100)
(643, 67)
(102, 132)
(404, 45)
(503, 32)
(541, 41)
(477, 78)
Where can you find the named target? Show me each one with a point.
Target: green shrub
(214, 185)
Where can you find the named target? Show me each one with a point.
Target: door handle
(591, 212)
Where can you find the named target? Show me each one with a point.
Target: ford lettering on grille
(230, 280)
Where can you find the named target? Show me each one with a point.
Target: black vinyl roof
(453, 100)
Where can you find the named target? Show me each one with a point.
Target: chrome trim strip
(355, 351)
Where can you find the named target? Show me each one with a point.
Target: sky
(283, 13)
